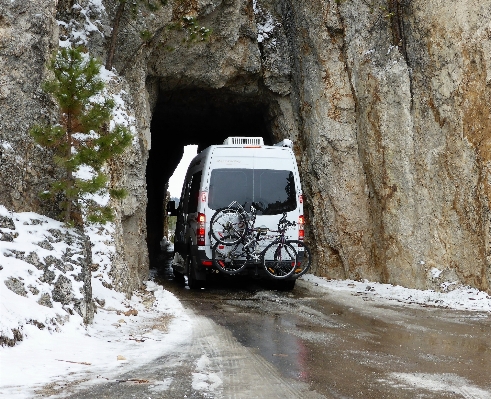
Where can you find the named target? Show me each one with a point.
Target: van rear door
(277, 186)
(262, 175)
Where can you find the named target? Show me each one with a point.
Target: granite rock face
(388, 103)
(423, 117)
(28, 35)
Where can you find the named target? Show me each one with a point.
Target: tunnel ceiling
(193, 116)
(207, 117)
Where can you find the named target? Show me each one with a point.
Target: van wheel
(193, 283)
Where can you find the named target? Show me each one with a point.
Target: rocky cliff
(387, 101)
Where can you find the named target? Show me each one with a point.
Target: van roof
(283, 145)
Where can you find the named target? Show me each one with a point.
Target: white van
(245, 170)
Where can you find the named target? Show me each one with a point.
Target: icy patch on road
(203, 380)
(463, 298)
(438, 383)
(161, 386)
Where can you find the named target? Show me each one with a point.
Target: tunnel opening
(193, 116)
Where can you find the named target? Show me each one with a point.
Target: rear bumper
(205, 265)
(202, 259)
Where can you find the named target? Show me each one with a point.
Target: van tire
(193, 283)
(178, 277)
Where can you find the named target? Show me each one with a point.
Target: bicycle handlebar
(284, 221)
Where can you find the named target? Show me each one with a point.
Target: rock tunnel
(193, 116)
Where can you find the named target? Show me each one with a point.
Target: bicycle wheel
(228, 259)
(279, 260)
(304, 259)
(228, 226)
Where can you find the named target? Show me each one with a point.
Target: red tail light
(301, 224)
(201, 230)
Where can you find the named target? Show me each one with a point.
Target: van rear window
(273, 190)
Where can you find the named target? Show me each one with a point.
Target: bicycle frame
(248, 244)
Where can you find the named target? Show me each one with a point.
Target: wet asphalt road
(312, 343)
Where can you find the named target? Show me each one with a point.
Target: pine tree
(82, 140)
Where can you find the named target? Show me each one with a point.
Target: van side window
(185, 195)
(194, 193)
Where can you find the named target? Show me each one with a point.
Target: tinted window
(274, 190)
(185, 195)
(194, 193)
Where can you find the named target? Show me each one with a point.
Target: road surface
(250, 341)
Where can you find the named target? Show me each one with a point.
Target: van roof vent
(244, 141)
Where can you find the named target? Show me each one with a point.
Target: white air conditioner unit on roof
(244, 141)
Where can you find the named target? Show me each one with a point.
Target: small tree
(82, 141)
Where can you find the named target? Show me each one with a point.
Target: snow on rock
(42, 269)
(265, 25)
(126, 334)
(435, 273)
(459, 298)
(43, 336)
(77, 31)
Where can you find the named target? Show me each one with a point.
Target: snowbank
(459, 298)
(52, 343)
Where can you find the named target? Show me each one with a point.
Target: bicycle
(303, 254)
(304, 259)
(238, 244)
(237, 239)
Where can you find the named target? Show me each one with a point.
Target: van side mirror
(171, 208)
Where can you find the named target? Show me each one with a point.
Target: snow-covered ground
(58, 348)
(127, 333)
